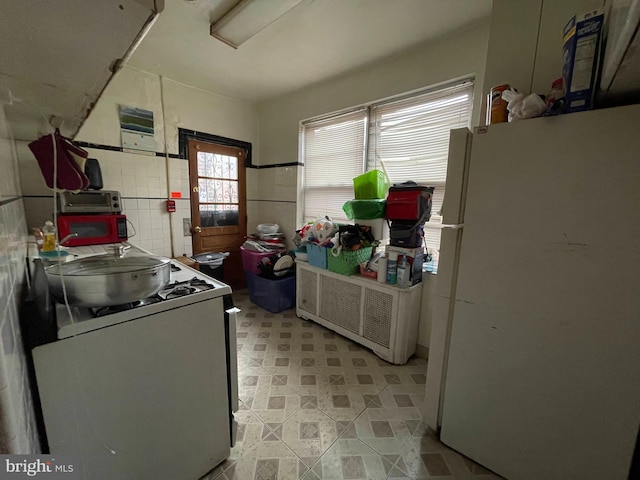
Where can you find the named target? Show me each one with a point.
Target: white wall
(457, 55)
(17, 424)
(525, 44)
(145, 181)
(452, 57)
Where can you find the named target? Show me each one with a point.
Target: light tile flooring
(315, 405)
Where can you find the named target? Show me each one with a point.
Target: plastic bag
(365, 209)
(521, 106)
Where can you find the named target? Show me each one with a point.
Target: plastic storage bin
(373, 184)
(348, 262)
(272, 295)
(211, 264)
(317, 255)
(251, 259)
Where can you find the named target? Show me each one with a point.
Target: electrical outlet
(186, 227)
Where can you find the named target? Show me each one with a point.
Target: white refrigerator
(534, 360)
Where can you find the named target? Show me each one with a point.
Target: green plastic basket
(347, 263)
(373, 184)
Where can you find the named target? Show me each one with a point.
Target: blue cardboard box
(582, 39)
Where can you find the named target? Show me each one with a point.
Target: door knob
(197, 229)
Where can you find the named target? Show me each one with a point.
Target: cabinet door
(378, 316)
(340, 303)
(178, 356)
(307, 291)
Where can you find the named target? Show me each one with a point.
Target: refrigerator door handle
(455, 226)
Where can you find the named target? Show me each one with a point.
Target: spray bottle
(404, 272)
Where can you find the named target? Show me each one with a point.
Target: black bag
(406, 234)
(352, 235)
(94, 173)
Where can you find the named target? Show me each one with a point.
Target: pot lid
(107, 264)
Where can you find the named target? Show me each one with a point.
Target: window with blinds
(408, 138)
(334, 153)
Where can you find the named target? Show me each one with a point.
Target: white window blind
(333, 154)
(409, 139)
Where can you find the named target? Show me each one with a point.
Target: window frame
(465, 83)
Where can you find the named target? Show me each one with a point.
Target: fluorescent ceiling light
(248, 18)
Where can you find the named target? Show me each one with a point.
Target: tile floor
(315, 405)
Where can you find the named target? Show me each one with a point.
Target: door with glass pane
(218, 204)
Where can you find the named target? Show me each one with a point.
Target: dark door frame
(185, 135)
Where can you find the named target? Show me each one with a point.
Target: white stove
(121, 384)
(186, 286)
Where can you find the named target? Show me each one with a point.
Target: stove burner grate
(171, 291)
(187, 287)
(103, 311)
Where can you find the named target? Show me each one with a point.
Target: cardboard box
(189, 262)
(582, 38)
(415, 257)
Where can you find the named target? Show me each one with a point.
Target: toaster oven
(91, 201)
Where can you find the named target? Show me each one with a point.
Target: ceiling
(57, 56)
(316, 40)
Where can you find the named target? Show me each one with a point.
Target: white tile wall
(145, 182)
(179, 177)
(132, 174)
(141, 181)
(149, 224)
(277, 183)
(181, 238)
(18, 432)
(17, 422)
(9, 179)
(272, 195)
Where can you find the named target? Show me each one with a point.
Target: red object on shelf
(409, 202)
(368, 273)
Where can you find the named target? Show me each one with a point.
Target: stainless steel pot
(110, 279)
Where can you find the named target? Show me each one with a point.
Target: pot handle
(120, 250)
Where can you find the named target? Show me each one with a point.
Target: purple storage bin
(251, 259)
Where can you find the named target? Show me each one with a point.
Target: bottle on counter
(382, 269)
(404, 272)
(392, 268)
(49, 236)
(38, 236)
